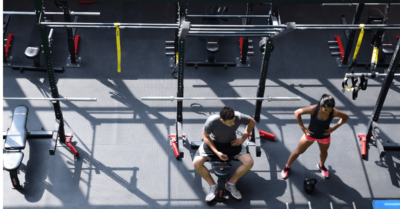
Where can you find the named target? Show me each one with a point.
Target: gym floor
(125, 156)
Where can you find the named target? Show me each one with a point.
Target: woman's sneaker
(324, 171)
(285, 172)
(211, 193)
(232, 189)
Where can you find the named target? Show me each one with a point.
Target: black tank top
(318, 126)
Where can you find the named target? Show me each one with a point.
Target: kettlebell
(309, 185)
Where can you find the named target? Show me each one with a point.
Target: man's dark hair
(327, 101)
(226, 113)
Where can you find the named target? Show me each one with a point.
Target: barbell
(171, 98)
(58, 99)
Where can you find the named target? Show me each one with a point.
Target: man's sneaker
(211, 194)
(285, 172)
(324, 171)
(232, 189)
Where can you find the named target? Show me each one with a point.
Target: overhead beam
(171, 98)
(50, 13)
(55, 99)
(253, 1)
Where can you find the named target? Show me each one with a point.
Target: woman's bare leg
(324, 152)
(301, 148)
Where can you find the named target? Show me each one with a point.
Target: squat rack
(184, 29)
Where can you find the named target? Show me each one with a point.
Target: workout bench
(15, 141)
(34, 49)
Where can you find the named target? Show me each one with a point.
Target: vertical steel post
(356, 20)
(181, 61)
(245, 44)
(384, 90)
(385, 18)
(70, 35)
(255, 137)
(274, 8)
(265, 63)
(49, 67)
(176, 45)
(386, 13)
(263, 77)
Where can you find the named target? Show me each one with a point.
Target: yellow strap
(360, 37)
(118, 46)
(177, 58)
(375, 53)
(345, 81)
(347, 87)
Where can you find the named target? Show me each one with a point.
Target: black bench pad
(375, 13)
(387, 46)
(212, 44)
(16, 135)
(222, 168)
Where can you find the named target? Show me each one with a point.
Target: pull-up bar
(74, 24)
(229, 16)
(110, 25)
(59, 99)
(171, 98)
(369, 75)
(237, 26)
(355, 4)
(291, 26)
(51, 13)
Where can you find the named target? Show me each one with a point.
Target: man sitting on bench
(219, 135)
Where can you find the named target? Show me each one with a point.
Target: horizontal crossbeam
(250, 1)
(355, 4)
(196, 28)
(171, 98)
(51, 13)
(67, 24)
(369, 75)
(59, 99)
(229, 16)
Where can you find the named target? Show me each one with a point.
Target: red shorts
(322, 141)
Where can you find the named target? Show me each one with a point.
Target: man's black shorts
(233, 152)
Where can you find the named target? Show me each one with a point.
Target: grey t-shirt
(221, 133)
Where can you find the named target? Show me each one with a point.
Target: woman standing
(319, 130)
